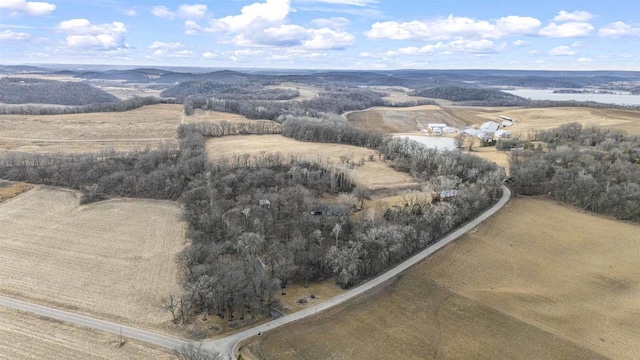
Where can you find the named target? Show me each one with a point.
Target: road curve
(226, 345)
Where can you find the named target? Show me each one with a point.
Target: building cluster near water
(488, 130)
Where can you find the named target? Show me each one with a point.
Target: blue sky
(325, 34)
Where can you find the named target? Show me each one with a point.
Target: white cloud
(209, 55)
(31, 8)
(579, 16)
(297, 36)
(482, 46)
(332, 22)
(451, 27)
(256, 14)
(130, 12)
(585, 60)
(520, 43)
(265, 25)
(162, 12)
(349, 2)
(570, 29)
(562, 51)
(184, 11)
(618, 29)
(511, 25)
(9, 35)
(83, 34)
(170, 50)
(195, 11)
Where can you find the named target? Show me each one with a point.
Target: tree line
(120, 106)
(597, 169)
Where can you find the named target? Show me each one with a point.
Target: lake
(434, 142)
(537, 94)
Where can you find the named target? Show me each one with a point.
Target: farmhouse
(265, 203)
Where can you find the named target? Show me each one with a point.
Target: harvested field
(416, 118)
(537, 281)
(27, 336)
(146, 126)
(216, 117)
(549, 118)
(373, 174)
(306, 91)
(9, 189)
(114, 259)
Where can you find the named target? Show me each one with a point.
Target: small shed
(437, 126)
(507, 123)
(447, 195)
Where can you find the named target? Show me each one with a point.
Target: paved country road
(227, 344)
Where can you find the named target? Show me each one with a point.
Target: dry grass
(113, 259)
(216, 117)
(146, 126)
(25, 336)
(416, 118)
(537, 281)
(549, 118)
(306, 91)
(501, 158)
(373, 174)
(322, 291)
(10, 190)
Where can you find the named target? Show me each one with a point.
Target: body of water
(434, 142)
(536, 94)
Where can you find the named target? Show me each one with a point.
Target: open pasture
(113, 260)
(539, 280)
(374, 174)
(135, 129)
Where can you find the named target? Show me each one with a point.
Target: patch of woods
(333, 100)
(229, 91)
(462, 93)
(38, 91)
(119, 106)
(597, 169)
(262, 222)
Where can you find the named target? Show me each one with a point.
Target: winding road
(226, 345)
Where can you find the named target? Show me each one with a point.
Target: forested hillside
(37, 91)
(237, 91)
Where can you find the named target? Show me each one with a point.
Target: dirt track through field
(112, 259)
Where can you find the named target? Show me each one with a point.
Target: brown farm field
(416, 118)
(135, 129)
(25, 336)
(113, 260)
(373, 174)
(549, 118)
(539, 280)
